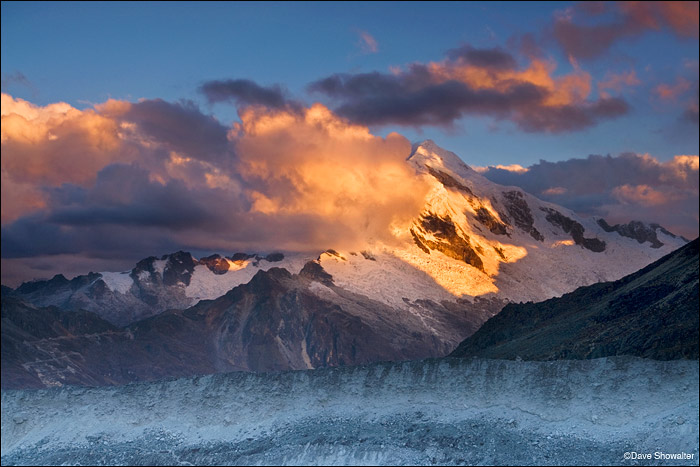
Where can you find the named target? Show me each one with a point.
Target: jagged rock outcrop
(638, 231)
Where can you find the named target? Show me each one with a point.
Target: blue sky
(84, 53)
(137, 129)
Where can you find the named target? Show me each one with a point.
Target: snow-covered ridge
(204, 282)
(473, 239)
(205, 285)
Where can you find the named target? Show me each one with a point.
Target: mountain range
(475, 247)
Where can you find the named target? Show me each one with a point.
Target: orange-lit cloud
(671, 92)
(473, 81)
(572, 88)
(160, 175)
(642, 194)
(510, 168)
(555, 190)
(681, 17)
(315, 164)
(588, 39)
(617, 82)
(52, 145)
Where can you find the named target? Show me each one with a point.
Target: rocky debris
(451, 243)
(574, 228)
(520, 212)
(638, 231)
(652, 313)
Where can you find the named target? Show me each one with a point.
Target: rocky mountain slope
(652, 313)
(276, 321)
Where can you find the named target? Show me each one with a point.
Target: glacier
(439, 411)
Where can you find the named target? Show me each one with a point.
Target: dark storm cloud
(563, 118)
(391, 99)
(181, 126)
(124, 209)
(245, 92)
(415, 98)
(124, 195)
(629, 19)
(483, 58)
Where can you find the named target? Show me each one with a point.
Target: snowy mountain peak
(429, 154)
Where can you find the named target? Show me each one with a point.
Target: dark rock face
(57, 284)
(638, 231)
(576, 230)
(368, 255)
(241, 256)
(520, 212)
(418, 242)
(274, 322)
(652, 313)
(274, 257)
(494, 225)
(449, 182)
(314, 271)
(216, 264)
(58, 281)
(451, 243)
(179, 268)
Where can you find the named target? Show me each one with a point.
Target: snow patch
(119, 282)
(159, 266)
(144, 275)
(205, 285)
